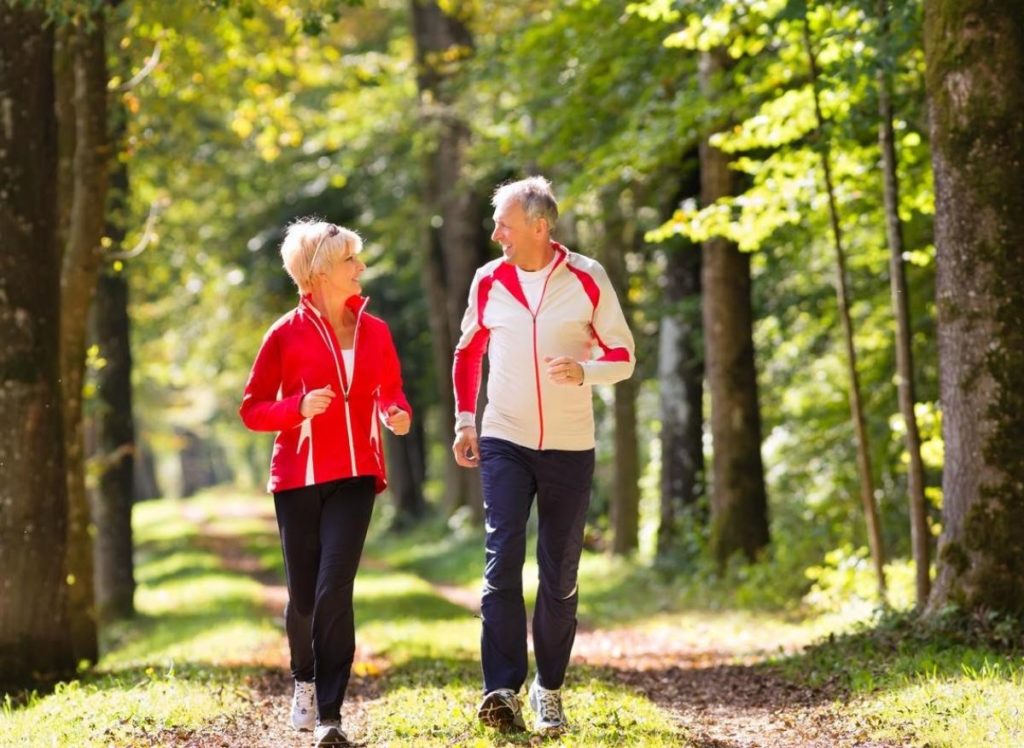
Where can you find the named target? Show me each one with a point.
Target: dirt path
(717, 694)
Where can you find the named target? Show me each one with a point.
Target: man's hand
(316, 402)
(465, 448)
(398, 421)
(564, 370)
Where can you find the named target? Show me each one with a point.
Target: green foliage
(254, 117)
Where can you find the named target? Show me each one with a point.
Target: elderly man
(551, 325)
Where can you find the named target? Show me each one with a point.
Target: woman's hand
(316, 402)
(398, 421)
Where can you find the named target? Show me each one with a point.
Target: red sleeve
(261, 409)
(467, 370)
(469, 352)
(391, 392)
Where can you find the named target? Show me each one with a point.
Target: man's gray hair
(534, 195)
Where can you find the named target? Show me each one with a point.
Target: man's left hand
(564, 370)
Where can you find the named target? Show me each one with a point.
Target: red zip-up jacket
(300, 352)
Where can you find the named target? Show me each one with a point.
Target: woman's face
(342, 278)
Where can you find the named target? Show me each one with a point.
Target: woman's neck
(335, 310)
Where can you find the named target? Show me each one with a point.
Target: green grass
(203, 630)
(921, 684)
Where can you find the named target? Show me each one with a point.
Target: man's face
(513, 231)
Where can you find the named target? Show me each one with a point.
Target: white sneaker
(329, 733)
(500, 709)
(547, 705)
(304, 706)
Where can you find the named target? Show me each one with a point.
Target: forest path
(713, 687)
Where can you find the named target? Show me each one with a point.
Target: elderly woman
(326, 371)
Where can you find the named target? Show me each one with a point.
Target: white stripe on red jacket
(578, 316)
(300, 352)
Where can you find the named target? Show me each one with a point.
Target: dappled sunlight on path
(705, 669)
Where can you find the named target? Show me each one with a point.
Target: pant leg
(344, 519)
(508, 488)
(298, 523)
(564, 481)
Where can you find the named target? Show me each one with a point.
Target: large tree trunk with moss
(975, 80)
(919, 531)
(34, 632)
(681, 383)
(79, 271)
(455, 238)
(739, 503)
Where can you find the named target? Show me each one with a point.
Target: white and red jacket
(300, 352)
(578, 315)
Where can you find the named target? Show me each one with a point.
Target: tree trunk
(619, 236)
(920, 534)
(975, 80)
(34, 633)
(681, 382)
(739, 503)
(455, 234)
(867, 484)
(114, 428)
(79, 271)
(405, 460)
(64, 103)
(145, 486)
(115, 452)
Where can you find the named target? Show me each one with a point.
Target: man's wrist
(465, 420)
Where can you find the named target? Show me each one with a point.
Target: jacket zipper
(536, 358)
(328, 335)
(348, 413)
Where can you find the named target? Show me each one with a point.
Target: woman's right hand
(316, 402)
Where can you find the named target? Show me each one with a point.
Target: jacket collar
(355, 303)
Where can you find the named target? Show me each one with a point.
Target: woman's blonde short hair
(312, 246)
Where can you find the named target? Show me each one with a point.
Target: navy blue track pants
(561, 480)
(323, 528)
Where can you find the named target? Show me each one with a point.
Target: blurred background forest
(756, 175)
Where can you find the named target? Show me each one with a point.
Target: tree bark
(34, 632)
(64, 103)
(681, 384)
(455, 235)
(739, 502)
(975, 80)
(619, 235)
(920, 534)
(867, 484)
(79, 271)
(115, 452)
(406, 467)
